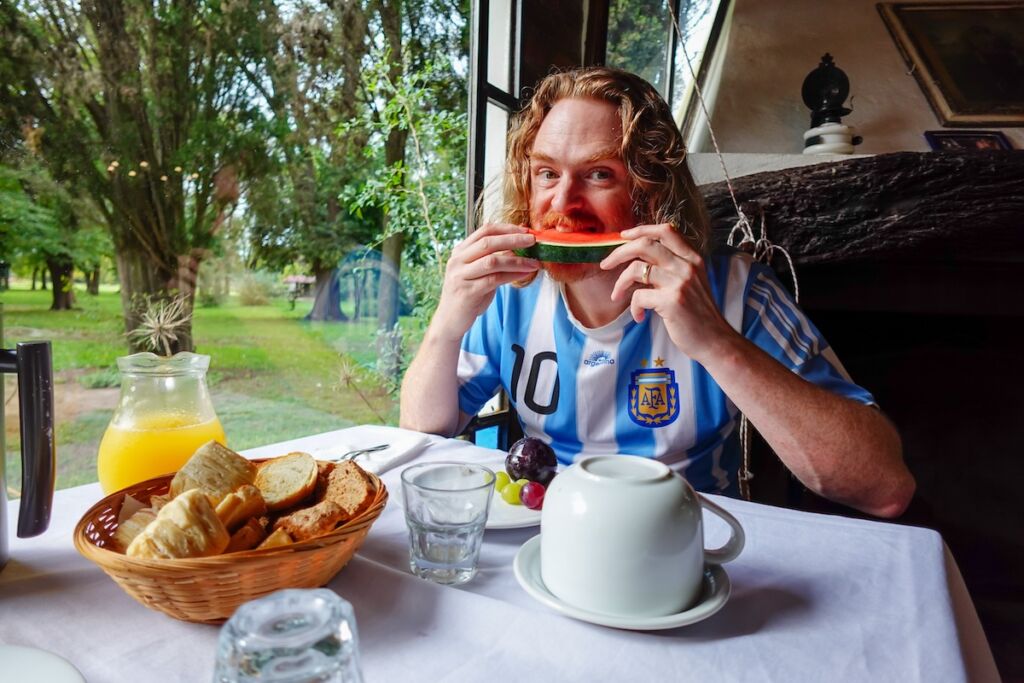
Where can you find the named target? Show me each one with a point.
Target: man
(653, 351)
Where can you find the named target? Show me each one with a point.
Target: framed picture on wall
(968, 58)
(966, 140)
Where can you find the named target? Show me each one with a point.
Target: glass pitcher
(163, 416)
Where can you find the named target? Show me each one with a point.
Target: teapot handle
(737, 538)
(33, 361)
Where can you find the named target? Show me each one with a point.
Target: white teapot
(623, 535)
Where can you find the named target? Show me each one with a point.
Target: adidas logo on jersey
(599, 358)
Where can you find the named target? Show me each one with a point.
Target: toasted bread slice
(241, 505)
(216, 470)
(248, 536)
(349, 488)
(275, 540)
(132, 527)
(188, 526)
(285, 481)
(323, 472)
(312, 521)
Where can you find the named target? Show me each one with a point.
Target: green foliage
(144, 110)
(423, 197)
(101, 379)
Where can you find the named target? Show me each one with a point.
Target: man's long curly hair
(661, 187)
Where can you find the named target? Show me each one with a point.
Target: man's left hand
(664, 274)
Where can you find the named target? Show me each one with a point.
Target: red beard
(567, 273)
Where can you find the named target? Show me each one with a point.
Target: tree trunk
(142, 284)
(35, 273)
(327, 297)
(394, 153)
(92, 281)
(42, 279)
(62, 276)
(358, 286)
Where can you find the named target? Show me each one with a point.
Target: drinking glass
(446, 506)
(291, 636)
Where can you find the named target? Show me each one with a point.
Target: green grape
(501, 480)
(510, 494)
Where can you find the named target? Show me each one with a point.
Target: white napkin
(403, 446)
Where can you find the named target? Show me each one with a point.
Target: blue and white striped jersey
(625, 387)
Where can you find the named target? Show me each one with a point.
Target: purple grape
(531, 458)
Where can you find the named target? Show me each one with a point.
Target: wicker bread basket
(209, 589)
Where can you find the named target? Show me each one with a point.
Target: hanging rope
(759, 247)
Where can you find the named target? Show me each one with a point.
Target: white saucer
(504, 515)
(32, 664)
(713, 596)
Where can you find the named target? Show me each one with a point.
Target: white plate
(22, 663)
(504, 515)
(713, 596)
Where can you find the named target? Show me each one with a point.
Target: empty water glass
(446, 505)
(291, 636)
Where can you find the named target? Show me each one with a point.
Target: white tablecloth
(814, 597)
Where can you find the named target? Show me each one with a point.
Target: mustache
(580, 221)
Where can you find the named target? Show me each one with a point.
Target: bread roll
(247, 537)
(241, 505)
(187, 526)
(285, 481)
(216, 470)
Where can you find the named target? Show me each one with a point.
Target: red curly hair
(661, 187)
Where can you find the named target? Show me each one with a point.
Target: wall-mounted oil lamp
(824, 91)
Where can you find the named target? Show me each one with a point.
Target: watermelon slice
(555, 246)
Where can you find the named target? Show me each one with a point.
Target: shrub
(101, 379)
(209, 299)
(257, 287)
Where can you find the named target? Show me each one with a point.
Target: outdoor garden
(274, 184)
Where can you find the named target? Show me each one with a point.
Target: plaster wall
(772, 46)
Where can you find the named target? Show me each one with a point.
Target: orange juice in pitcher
(164, 415)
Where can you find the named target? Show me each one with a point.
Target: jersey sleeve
(773, 320)
(479, 367)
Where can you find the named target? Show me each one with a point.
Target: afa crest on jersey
(653, 397)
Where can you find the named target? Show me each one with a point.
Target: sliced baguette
(188, 526)
(286, 481)
(216, 470)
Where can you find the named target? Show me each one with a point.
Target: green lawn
(273, 376)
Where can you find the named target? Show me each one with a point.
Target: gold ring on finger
(645, 274)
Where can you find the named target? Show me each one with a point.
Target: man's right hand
(478, 265)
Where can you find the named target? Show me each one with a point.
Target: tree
(41, 224)
(331, 71)
(140, 106)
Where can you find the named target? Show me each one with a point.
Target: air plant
(160, 324)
